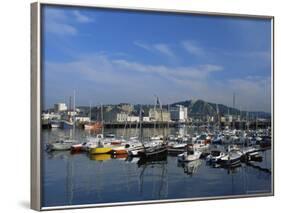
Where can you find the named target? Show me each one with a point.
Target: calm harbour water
(75, 179)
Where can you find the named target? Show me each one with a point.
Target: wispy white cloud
(143, 45)
(192, 47)
(178, 73)
(56, 23)
(60, 29)
(135, 81)
(164, 49)
(161, 48)
(81, 17)
(60, 22)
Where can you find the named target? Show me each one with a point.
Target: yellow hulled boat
(100, 150)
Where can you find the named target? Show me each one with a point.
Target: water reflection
(73, 179)
(157, 169)
(190, 168)
(154, 160)
(101, 157)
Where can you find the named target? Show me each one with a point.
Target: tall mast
(218, 116)
(233, 106)
(247, 119)
(161, 110)
(155, 104)
(240, 112)
(170, 117)
(228, 117)
(90, 112)
(140, 117)
(265, 92)
(101, 108)
(74, 111)
(141, 131)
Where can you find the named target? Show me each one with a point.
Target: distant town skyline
(112, 56)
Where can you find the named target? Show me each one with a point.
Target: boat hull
(93, 126)
(100, 150)
(55, 125)
(77, 148)
(232, 161)
(188, 158)
(152, 152)
(119, 152)
(67, 125)
(59, 147)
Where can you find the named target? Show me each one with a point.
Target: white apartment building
(60, 107)
(133, 119)
(179, 113)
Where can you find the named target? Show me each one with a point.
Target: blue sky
(113, 56)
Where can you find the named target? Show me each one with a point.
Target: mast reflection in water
(74, 179)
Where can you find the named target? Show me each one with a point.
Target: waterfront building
(179, 113)
(107, 108)
(229, 118)
(146, 119)
(156, 115)
(114, 114)
(185, 113)
(82, 119)
(121, 117)
(222, 119)
(50, 116)
(133, 119)
(60, 107)
(71, 113)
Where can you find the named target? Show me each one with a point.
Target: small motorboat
(134, 147)
(156, 137)
(199, 144)
(248, 150)
(178, 146)
(254, 156)
(215, 156)
(231, 158)
(61, 145)
(100, 150)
